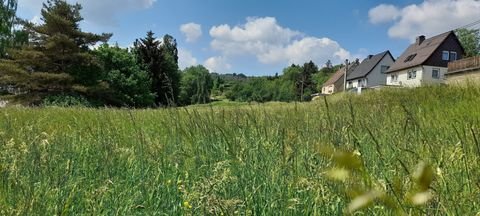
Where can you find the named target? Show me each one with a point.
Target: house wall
(464, 78)
(339, 85)
(403, 78)
(330, 89)
(376, 77)
(450, 44)
(354, 83)
(427, 78)
(424, 77)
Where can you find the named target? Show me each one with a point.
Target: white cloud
(100, 12)
(186, 59)
(383, 13)
(430, 17)
(192, 31)
(36, 20)
(271, 43)
(218, 64)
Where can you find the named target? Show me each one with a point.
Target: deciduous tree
(470, 39)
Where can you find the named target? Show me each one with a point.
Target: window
(412, 75)
(384, 68)
(394, 78)
(410, 57)
(445, 55)
(436, 73)
(453, 56)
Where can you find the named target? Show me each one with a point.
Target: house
(371, 72)
(464, 71)
(335, 83)
(425, 61)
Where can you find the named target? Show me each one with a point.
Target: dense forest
(56, 63)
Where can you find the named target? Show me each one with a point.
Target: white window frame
(446, 54)
(412, 75)
(394, 77)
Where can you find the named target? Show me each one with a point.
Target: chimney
(370, 56)
(420, 39)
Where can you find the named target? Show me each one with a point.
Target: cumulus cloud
(430, 17)
(100, 12)
(218, 64)
(271, 43)
(192, 31)
(383, 13)
(186, 59)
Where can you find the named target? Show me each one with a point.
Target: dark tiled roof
(339, 74)
(367, 66)
(419, 54)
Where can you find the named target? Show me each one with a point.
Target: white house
(425, 62)
(371, 72)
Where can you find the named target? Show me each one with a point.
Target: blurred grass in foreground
(396, 151)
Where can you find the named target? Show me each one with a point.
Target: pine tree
(57, 58)
(8, 10)
(171, 75)
(161, 61)
(305, 84)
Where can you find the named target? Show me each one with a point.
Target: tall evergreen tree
(171, 79)
(305, 84)
(8, 10)
(161, 61)
(57, 58)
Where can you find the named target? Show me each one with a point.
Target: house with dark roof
(371, 72)
(425, 62)
(335, 83)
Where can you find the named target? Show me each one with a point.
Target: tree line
(56, 63)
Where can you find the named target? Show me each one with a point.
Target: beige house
(464, 71)
(335, 83)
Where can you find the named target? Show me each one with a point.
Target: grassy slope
(245, 159)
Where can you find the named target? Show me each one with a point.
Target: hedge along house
(425, 62)
(371, 72)
(335, 83)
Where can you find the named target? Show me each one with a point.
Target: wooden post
(345, 76)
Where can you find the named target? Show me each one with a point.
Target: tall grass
(276, 159)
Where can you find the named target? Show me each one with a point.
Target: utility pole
(345, 76)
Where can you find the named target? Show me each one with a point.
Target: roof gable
(339, 74)
(368, 65)
(416, 54)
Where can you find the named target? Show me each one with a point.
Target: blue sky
(262, 37)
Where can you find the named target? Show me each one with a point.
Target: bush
(64, 100)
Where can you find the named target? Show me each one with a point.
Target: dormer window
(410, 57)
(445, 55)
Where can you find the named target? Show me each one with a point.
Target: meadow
(396, 151)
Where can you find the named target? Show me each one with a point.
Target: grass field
(411, 152)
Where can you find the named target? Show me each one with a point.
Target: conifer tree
(161, 61)
(8, 10)
(57, 58)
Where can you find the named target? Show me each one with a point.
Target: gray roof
(367, 65)
(420, 53)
